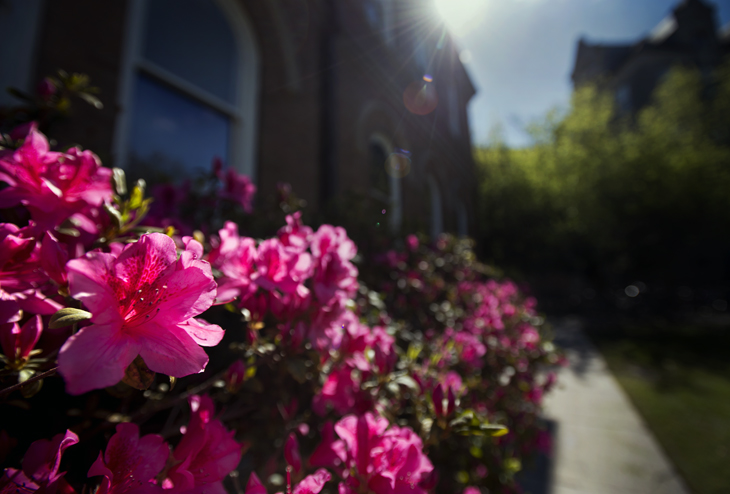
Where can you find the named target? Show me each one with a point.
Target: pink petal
(154, 255)
(254, 485)
(43, 458)
(88, 280)
(170, 350)
(100, 468)
(189, 293)
(95, 357)
(54, 258)
(29, 334)
(204, 333)
(291, 453)
(312, 484)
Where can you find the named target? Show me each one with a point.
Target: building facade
(688, 36)
(332, 96)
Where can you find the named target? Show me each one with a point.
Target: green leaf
(408, 382)
(71, 232)
(67, 317)
(31, 389)
(414, 350)
(92, 100)
(138, 375)
(119, 181)
(115, 215)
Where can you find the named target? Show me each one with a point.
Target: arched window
(190, 89)
(379, 182)
(385, 187)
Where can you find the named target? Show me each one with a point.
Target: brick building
(688, 36)
(309, 92)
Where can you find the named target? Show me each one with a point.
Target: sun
(461, 16)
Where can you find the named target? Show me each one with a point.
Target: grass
(679, 380)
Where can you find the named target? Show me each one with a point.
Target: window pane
(193, 40)
(173, 136)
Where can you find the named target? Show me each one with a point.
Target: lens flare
(398, 164)
(461, 16)
(420, 97)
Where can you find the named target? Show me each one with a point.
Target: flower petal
(204, 333)
(88, 280)
(170, 350)
(95, 357)
(189, 293)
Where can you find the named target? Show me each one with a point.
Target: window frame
(242, 113)
(395, 194)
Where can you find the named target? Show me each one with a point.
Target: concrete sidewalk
(601, 445)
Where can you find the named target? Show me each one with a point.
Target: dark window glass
(172, 135)
(193, 40)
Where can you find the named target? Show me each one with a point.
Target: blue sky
(522, 52)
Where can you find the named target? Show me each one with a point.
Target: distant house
(309, 92)
(688, 36)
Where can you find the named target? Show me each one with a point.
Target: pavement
(600, 443)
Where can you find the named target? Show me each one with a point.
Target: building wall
(330, 80)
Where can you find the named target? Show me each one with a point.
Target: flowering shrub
(308, 382)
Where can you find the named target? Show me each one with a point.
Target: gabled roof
(594, 60)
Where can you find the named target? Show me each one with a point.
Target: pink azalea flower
(54, 186)
(130, 463)
(338, 392)
(235, 376)
(472, 490)
(54, 257)
(383, 345)
(313, 484)
(40, 468)
(236, 187)
(295, 235)
(254, 485)
(143, 302)
(334, 272)
(234, 256)
(381, 459)
(21, 278)
(206, 453)
(280, 269)
(18, 341)
(412, 242)
(291, 453)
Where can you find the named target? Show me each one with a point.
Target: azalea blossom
(143, 302)
(206, 453)
(18, 341)
(333, 251)
(54, 186)
(40, 468)
(234, 256)
(130, 462)
(21, 278)
(295, 235)
(236, 187)
(278, 268)
(311, 484)
(374, 456)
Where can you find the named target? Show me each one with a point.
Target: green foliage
(612, 196)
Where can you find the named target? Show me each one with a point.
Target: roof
(593, 60)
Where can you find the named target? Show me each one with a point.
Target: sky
(522, 51)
